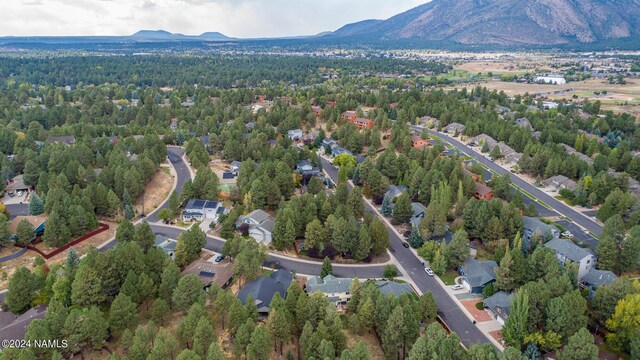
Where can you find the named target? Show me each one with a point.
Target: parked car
(406, 245)
(429, 271)
(457, 287)
(20, 193)
(567, 234)
(219, 258)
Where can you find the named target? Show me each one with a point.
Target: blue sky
(238, 18)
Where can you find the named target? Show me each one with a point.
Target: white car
(20, 193)
(429, 271)
(457, 287)
(567, 234)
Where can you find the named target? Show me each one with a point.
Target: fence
(101, 228)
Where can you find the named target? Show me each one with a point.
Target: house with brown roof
(37, 221)
(209, 273)
(316, 110)
(483, 192)
(349, 115)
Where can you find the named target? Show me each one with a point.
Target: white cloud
(239, 18)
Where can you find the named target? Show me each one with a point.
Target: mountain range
(506, 23)
(474, 24)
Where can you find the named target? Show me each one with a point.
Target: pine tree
(24, 232)
(504, 276)
(387, 209)
(188, 292)
(439, 263)
(144, 236)
(36, 205)
(581, 346)
(415, 240)
(402, 210)
(23, 287)
(327, 269)
(516, 327)
(174, 203)
(123, 312)
(364, 244)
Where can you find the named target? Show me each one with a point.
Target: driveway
(579, 234)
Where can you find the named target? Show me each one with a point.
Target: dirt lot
(156, 191)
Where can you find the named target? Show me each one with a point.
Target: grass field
(449, 278)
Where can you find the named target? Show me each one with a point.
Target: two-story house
(567, 251)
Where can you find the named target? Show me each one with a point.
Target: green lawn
(226, 188)
(449, 277)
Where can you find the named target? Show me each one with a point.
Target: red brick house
(483, 192)
(362, 123)
(316, 110)
(349, 115)
(473, 175)
(418, 142)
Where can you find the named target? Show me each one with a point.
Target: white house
(295, 134)
(260, 225)
(567, 251)
(551, 79)
(199, 210)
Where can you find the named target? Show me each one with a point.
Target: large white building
(551, 79)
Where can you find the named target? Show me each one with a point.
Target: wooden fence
(101, 228)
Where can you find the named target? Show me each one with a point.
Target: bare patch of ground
(155, 191)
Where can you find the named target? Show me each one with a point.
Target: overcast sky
(237, 18)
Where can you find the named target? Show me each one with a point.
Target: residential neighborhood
(239, 199)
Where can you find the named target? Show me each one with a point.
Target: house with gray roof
(498, 304)
(260, 225)
(339, 150)
(388, 287)
(567, 251)
(477, 274)
(68, 140)
(419, 211)
(335, 289)
(394, 191)
(167, 245)
(454, 128)
(523, 123)
(14, 327)
(596, 278)
(533, 225)
(559, 182)
(263, 288)
(581, 156)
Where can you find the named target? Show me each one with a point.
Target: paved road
(559, 206)
(17, 209)
(215, 244)
(182, 172)
(448, 309)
